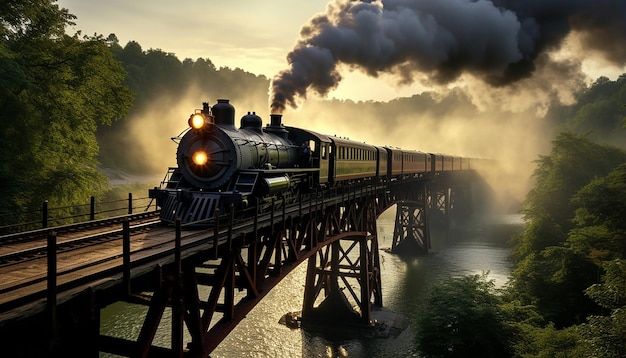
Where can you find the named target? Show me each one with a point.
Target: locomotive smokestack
(276, 126)
(276, 120)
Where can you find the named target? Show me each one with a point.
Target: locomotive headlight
(200, 157)
(196, 121)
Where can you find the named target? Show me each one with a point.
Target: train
(220, 166)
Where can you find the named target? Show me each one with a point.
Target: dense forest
(71, 104)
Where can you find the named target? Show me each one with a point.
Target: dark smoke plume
(497, 41)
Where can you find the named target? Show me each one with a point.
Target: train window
(324, 148)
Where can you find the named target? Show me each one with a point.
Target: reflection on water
(469, 248)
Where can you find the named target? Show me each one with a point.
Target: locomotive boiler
(219, 164)
(212, 153)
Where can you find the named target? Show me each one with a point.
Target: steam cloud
(497, 41)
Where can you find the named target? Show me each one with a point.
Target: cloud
(496, 41)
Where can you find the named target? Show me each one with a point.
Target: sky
(250, 34)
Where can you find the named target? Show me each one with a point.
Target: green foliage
(461, 318)
(549, 342)
(601, 218)
(56, 92)
(570, 257)
(599, 110)
(605, 336)
(552, 253)
(573, 162)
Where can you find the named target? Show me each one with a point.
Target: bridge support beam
(450, 200)
(411, 234)
(344, 274)
(441, 204)
(350, 261)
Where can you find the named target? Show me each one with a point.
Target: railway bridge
(52, 292)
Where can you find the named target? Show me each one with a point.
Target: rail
(47, 216)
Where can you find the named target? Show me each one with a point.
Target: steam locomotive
(220, 165)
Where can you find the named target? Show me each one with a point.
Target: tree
(600, 232)
(462, 318)
(549, 270)
(56, 90)
(601, 217)
(599, 110)
(605, 335)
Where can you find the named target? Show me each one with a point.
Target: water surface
(471, 247)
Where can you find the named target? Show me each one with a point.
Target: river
(473, 247)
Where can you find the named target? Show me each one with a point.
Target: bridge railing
(47, 216)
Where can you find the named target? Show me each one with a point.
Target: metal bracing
(350, 260)
(210, 294)
(411, 233)
(440, 204)
(201, 284)
(338, 268)
(411, 230)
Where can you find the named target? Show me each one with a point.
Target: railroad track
(31, 245)
(94, 253)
